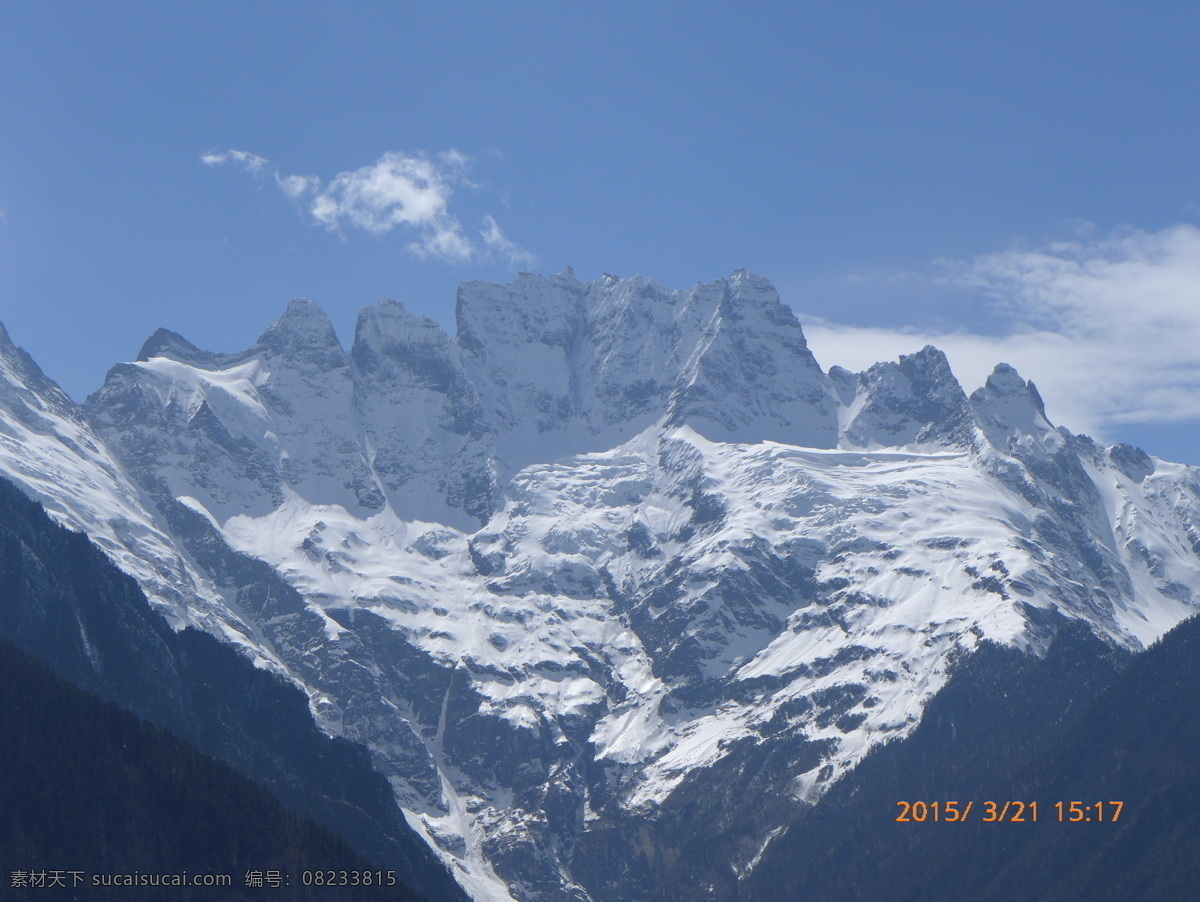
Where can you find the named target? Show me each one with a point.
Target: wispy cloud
(251, 162)
(409, 193)
(495, 240)
(1108, 328)
(396, 191)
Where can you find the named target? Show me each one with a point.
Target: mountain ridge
(635, 537)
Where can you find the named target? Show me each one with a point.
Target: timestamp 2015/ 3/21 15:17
(1010, 812)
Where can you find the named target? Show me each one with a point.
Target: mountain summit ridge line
(613, 554)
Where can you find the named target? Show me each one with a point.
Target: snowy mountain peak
(165, 343)
(25, 391)
(748, 374)
(50, 450)
(619, 571)
(1006, 381)
(1012, 414)
(532, 308)
(749, 287)
(427, 437)
(388, 332)
(916, 401)
(304, 332)
(1133, 462)
(564, 366)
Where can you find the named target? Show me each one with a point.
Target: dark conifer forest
(87, 787)
(1105, 727)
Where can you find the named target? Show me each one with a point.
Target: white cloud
(443, 241)
(1108, 329)
(296, 186)
(251, 162)
(399, 191)
(411, 193)
(495, 240)
(455, 161)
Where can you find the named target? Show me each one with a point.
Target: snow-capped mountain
(49, 449)
(618, 577)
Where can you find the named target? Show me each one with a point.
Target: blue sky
(1014, 181)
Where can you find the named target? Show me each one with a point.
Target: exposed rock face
(48, 447)
(1011, 414)
(431, 444)
(916, 402)
(620, 580)
(64, 602)
(570, 367)
(394, 422)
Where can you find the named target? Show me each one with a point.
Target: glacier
(616, 576)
